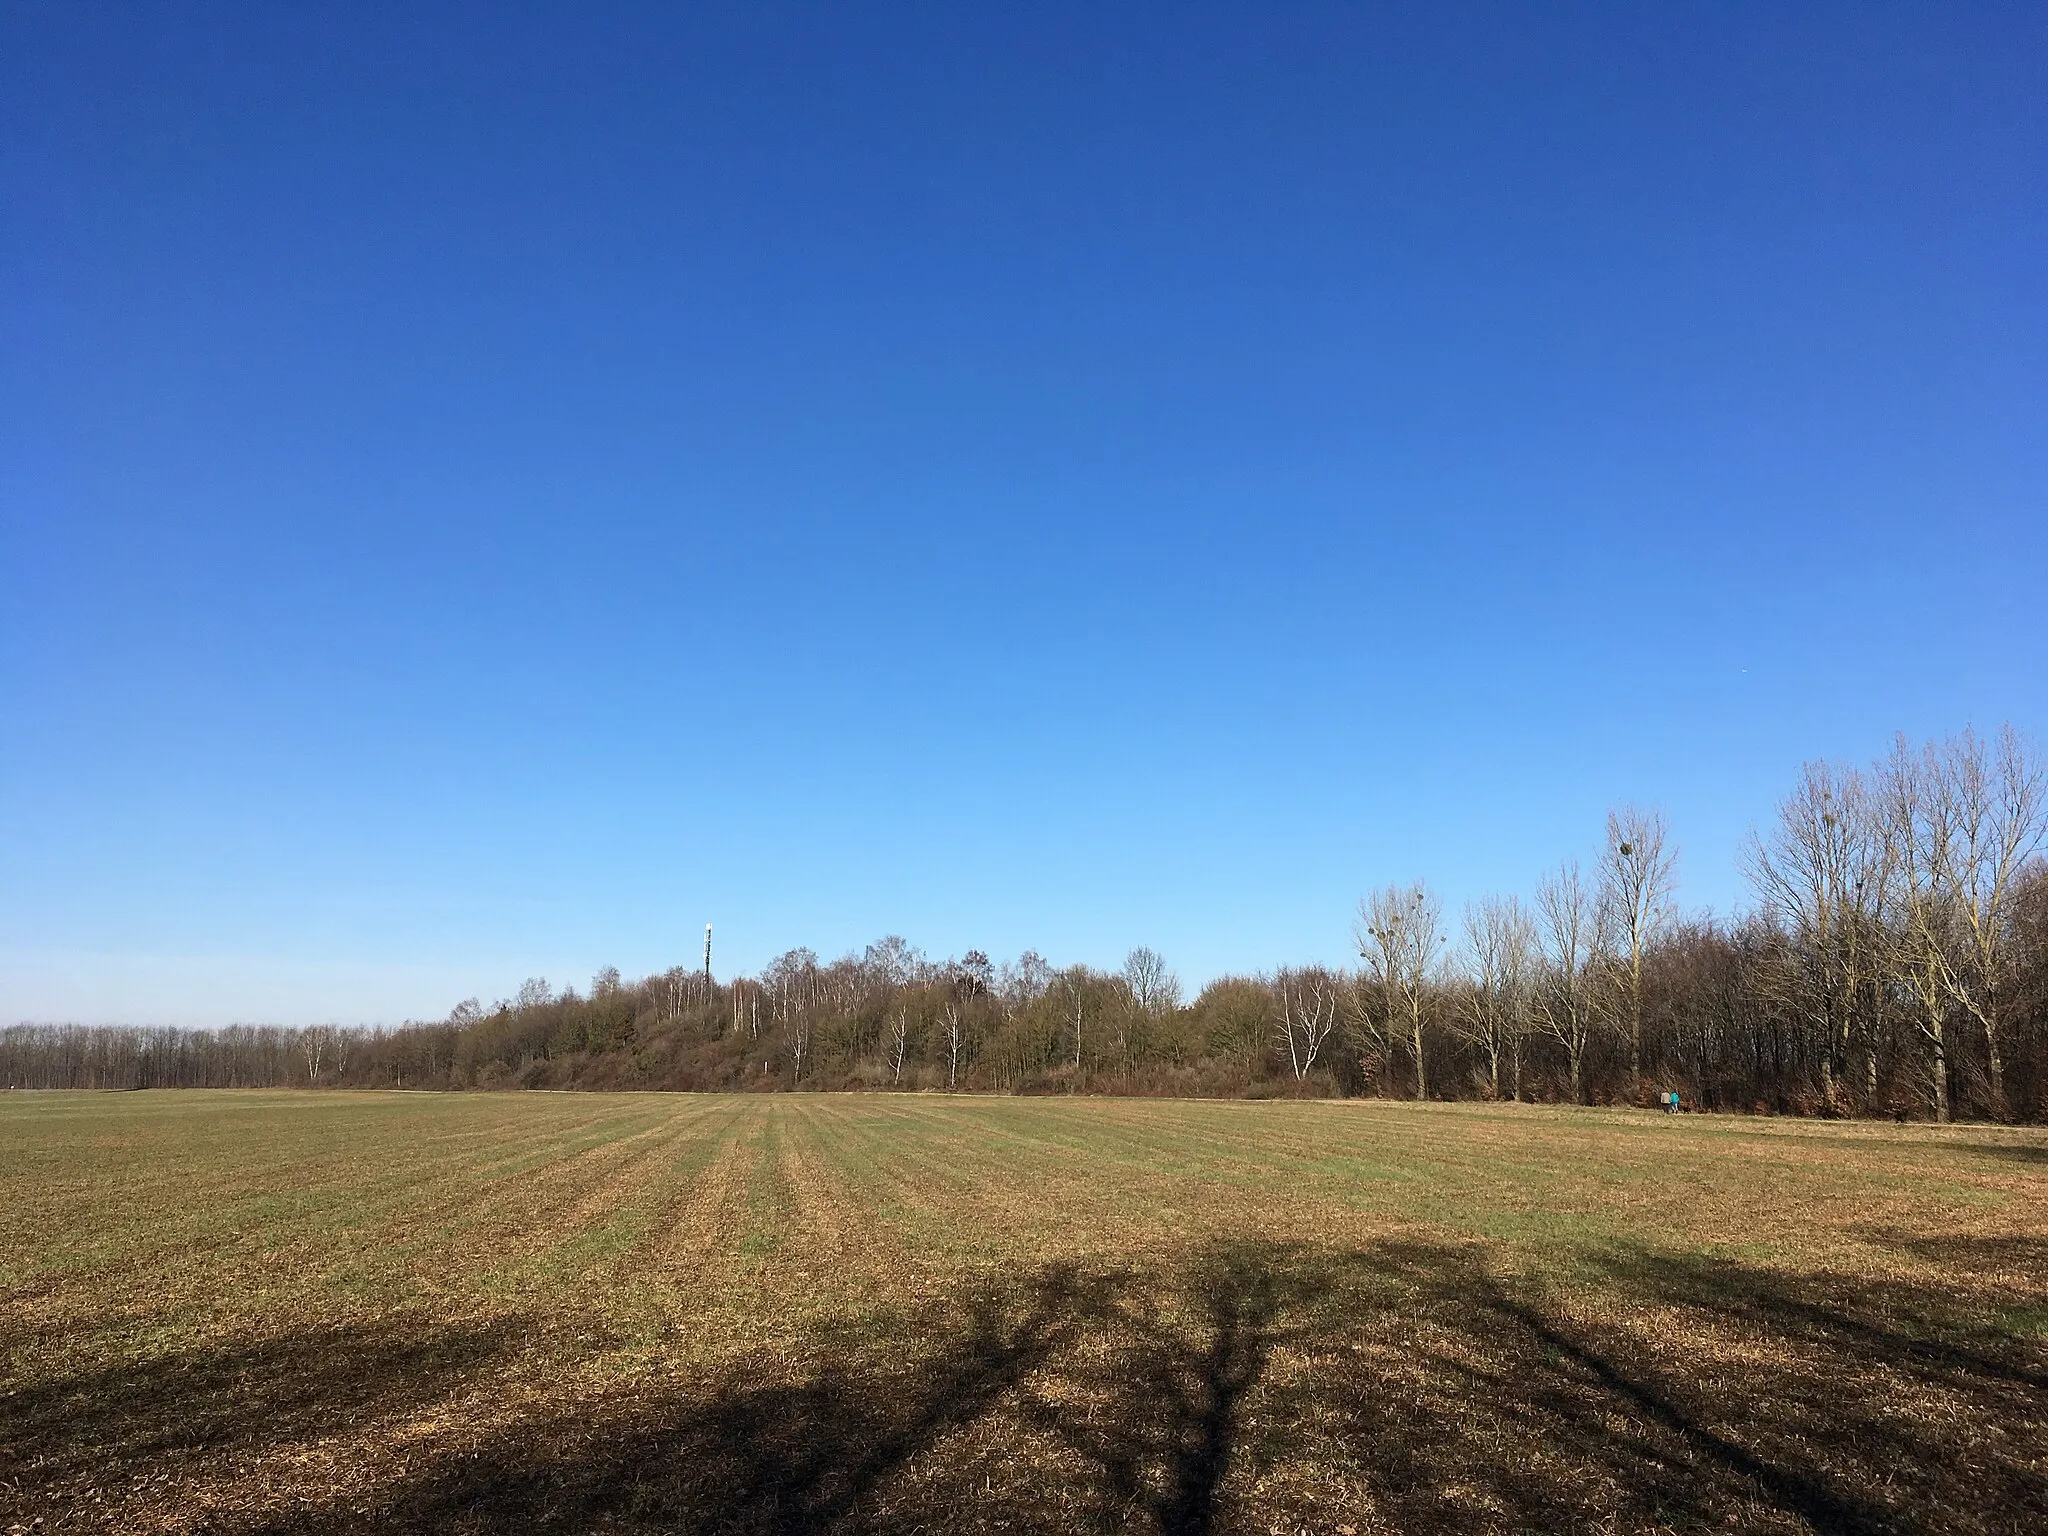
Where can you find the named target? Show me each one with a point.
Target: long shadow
(1240, 1296)
(2012, 1152)
(916, 1425)
(1169, 1391)
(1901, 1327)
(1789, 1487)
(1974, 1253)
(1477, 1406)
(59, 1438)
(1928, 1414)
(1671, 1393)
(1398, 1385)
(750, 1457)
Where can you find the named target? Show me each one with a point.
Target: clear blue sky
(485, 491)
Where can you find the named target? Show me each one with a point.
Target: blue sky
(486, 491)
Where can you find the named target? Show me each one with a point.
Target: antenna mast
(707, 951)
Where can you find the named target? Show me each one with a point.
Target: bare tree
(1153, 988)
(1146, 993)
(1363, 1004)
(1028, 980)
(1236, 1013)
(1501, 942)
(1398, 932)
(1991, 803)
(975, 973)
(1074, 1005)
(951, 1023)
(1566, 920)
(1636, 878)
(891, 961)
(799, 1020)
(1824, 877)
(746, 1007)
(313, 1042)
(1927, 956)
(1307, 1000)
(899, 1041)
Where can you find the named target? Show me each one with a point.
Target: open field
(334, 1312)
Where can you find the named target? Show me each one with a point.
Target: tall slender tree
(1637, 874)
(1398, 933)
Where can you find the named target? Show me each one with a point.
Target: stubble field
(328, 1312)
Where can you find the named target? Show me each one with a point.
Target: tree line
(1894, 962)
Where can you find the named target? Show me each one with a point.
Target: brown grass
(255, 1312)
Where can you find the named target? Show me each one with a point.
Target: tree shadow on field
(1690, 1392)
(1153, 1415)
(2012, 1152)
(1405, 1385)
(143, 1421)
(1060, 1400)
(814, 1453)
(2023, 1257)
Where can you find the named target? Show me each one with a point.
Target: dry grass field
(330, 1312)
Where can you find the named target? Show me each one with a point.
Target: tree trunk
(1635, 1037)
(1940, 1073)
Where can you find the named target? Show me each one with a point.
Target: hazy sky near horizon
(486, 490)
